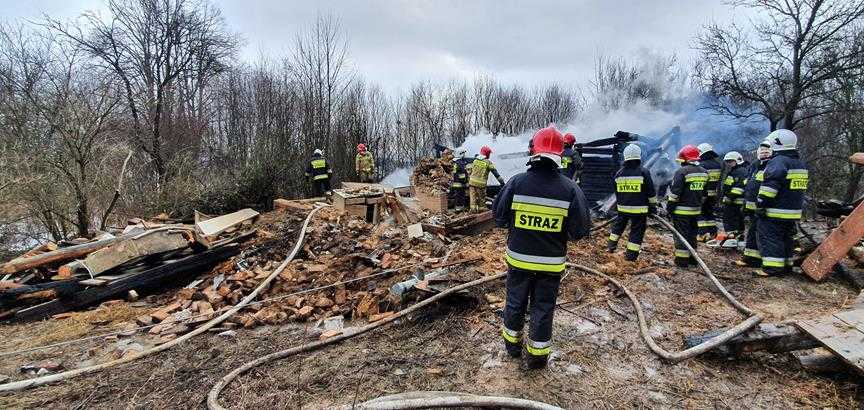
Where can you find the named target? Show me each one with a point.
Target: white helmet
(734, 156)
(318, 152)
(783, 140)
(764, 151)
(704, 147)
(460, 153)
(631, 152)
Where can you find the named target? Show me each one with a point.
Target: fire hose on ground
(51, 378)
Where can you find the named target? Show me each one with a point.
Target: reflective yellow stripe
(783, 213)
(729, 181)
(737, 191)
(687, 210)
(534, 266)
(714, 175)
(753, 253)
(696, 176)
(613, 237)
(750, 205)
(682, 253)
(633, 247)
(767, 192)
(630, 209)
(457, 185)
(538, 348)
(320, 177)
(508, 337)
(773, 262)
(319, 163)
(705, 223)
(760, 176)
(540, 209)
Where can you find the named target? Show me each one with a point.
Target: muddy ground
(600, 361)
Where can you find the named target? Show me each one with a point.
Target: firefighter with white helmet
(636, 198)
(318, 171)
(780, 203)
(459, 182)
(752, 257)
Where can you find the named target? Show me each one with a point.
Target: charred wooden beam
(772, 338)
(62, 254)
(148, 279)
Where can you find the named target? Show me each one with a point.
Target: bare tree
(781, 67)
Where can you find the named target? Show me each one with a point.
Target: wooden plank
(854, 318)
(61, 255)
(768, 337)
(840, 338)
(148, 243)
(219, 224)
(821, 261)
(435, 202)
(148, 279)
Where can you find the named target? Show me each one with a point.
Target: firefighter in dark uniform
(710, 161)
(636, 198)
(542, 210)
(318, 172)
(459, 184)
(571, 161)
(733, 197)
(684, 201)
(752, 257)
(780, 202)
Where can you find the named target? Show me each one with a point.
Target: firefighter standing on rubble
(478, 177)
(752, 257)
(459, 183)
(779, 203)
(684, 203)
(636, 198)
(571, 161)
(709, 160)
(542, 210)
(733, 197)
(318, 171)
(364, 164)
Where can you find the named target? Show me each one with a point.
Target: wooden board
(219, 224)
(159, 241)
(821, 262)
(436, 202)
(843, 338)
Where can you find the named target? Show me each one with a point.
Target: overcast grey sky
(394, 43)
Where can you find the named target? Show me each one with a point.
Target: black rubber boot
(513, 349)
(537, 362)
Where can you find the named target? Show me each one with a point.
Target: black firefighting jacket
(317, 168)
(733, 185)
(460, 173)
(571, 161)
(782, 191)
(634, 188)
(687, 190)
(751, 187)
(710, 161)
(543, 209)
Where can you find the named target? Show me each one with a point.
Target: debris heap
(430, 176)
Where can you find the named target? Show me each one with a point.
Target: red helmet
(485, 151)
(688, 153)
(548, 141)
(361, 147)
(569, 139)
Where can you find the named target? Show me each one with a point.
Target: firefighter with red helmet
(684, 202)
(364, 164)
(478, 177)
(571, 161)
(542, 210)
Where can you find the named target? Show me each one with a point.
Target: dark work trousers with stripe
(321, 186)
(459, 197)
(537, 292)
(752, 256)
(708, 222)
(638, 223)
(733, 219)
(688, 226)
(775, 244)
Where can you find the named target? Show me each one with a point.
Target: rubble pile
(430, 176)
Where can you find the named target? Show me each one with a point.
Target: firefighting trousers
(365, 176)
(459, 198)
(638, 223)
(534, 293)
(707, 221)
(321, 186)
(775, 238)
(751, 247)
(733, 218)
(478, 198)
(688, 226)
